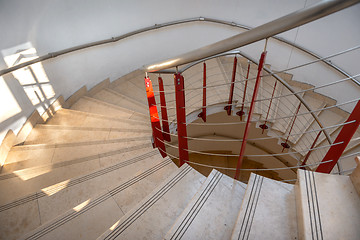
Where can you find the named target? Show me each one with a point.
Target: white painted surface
(54, 25)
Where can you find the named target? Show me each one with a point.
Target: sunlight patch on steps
(114, 226)
(29, 174)
(81, 205)
(55, 188)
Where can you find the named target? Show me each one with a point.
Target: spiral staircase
(89, 170)
(95, 167)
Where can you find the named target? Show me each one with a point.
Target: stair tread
(92, 105)
(52, 156)
(69, 117)
(153, 216)
(135, 82)
(329, 206)
(118, 99)
(212, 212)
(65, 134)
(268, 209)
(116, 180)
(21, 183)
(303, 122)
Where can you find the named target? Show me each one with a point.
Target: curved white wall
(57, 24)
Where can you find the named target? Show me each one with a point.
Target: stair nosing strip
(250, 207)
(76, 181)
(106, 170)
(308, 203)
(154, 199)
(253, 186)
(139, 177)
(96, 202)
(148, 203)
(145, 206)
(253, 205)
(68, 217)
(256, 204)
(198, 202)
(316, 206)
(205, 198)
(313, 206)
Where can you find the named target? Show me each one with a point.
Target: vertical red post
(154, 117)
(231, 94)
(164, 116)
(311, 149)
(285, 144)
(251, 109)
(264, 126)
(241, 112)
(203, 112)
(181, 118)
(344, 136)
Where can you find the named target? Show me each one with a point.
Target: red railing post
(181, 118)
(311, 149)
(285, 144)
(203, 112)
(154, 117)
(164, 116)
(344, 137)
(231, 94)
(251, 109)
(264, 126)
(241, 112)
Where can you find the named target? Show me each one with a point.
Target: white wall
(53, 25)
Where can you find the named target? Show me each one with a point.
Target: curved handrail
(298, 96)
(158, 26)
(261, 32)
(278, 78)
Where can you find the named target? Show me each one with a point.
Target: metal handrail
(248, 169)
(158, 26)
(261, 32)
(286, 85)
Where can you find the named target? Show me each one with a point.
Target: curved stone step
(126, 182)
(154, 215)
(44, 133)
(92, 105)
(118, 99)
(133, 81)
(303, 122)
(69, 117)
(23, 182)
(287, 108)
(268, 209)
(212, 212)
(328, 206)
(329, 117)
(27, 157)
